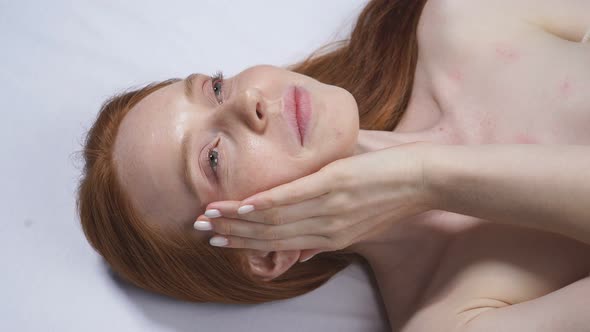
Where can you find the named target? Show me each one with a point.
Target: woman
(474, 81)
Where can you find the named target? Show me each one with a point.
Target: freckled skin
(524, 139)
(565, 88)
(147, 148)
(507, 53)
(456, 75)
(515, 79)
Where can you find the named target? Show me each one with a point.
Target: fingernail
(308, 258)
(203, 225)
(245, 209)
(218, 241)
(213, 213)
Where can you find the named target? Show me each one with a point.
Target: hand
(346, 201)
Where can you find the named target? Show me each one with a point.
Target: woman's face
(254, 148)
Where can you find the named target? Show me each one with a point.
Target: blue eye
(217, 84)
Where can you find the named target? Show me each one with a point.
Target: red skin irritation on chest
(565, 88)
(507, 53)
(456, 75)
(524, 139)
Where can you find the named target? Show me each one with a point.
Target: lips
(303, 102)
(297, 111)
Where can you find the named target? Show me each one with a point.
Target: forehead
(146, 155)
(164, 96)
(152, 114)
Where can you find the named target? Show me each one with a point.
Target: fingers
(306, 255)
(271, 238)
(241, 228)
(313, 185)
(294, 243)
(279, 215)
(225, 208)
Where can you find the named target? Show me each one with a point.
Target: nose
(250, 108)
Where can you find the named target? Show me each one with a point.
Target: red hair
(376, 65)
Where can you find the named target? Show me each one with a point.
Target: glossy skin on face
(256, 148)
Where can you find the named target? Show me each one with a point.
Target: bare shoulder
(455, 30)
(494, 266)
(512, 264)
(567, 19)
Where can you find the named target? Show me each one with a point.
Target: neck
(407, 255)
(373, 140)
(404, 258)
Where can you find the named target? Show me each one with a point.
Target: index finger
(310, 186)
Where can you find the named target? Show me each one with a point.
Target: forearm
(541, 186)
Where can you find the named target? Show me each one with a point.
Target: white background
(59, 60)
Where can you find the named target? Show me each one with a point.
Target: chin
(337, 134)
(345, 136)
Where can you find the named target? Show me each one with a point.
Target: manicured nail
(218, 241)
(245, 209)
(308, 258)
(203, 225)
(213, 213)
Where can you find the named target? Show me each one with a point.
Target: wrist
(434, 176)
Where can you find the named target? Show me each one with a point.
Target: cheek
(342, 125)
(264, 171)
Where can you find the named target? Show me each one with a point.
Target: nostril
(258, 113)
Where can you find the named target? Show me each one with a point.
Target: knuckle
(274, 217)
(340, 201)
(336, 201)
(277, 245)
(341, 178)
(221, 228)
(277, 220)
(334, 245)
(297, 191)
(332, 226)
(269, 234)
(340, 242)
(272, 200)
(267, 217)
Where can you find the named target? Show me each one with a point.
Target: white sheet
(59, 61)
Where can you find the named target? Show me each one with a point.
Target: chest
(494, 265)
(505, 83)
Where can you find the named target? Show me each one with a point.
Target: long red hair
(376, 64)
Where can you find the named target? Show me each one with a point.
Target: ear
(271, 264)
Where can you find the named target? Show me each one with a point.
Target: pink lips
(297, 109)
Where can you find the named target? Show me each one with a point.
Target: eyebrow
(186, 165)
(188, 85)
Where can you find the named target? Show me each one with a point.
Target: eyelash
(216, 156)
(217, 78)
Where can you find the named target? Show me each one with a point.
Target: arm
(568, 19)
(563, 310)
(540, 186)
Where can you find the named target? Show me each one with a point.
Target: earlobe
(271, 264)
